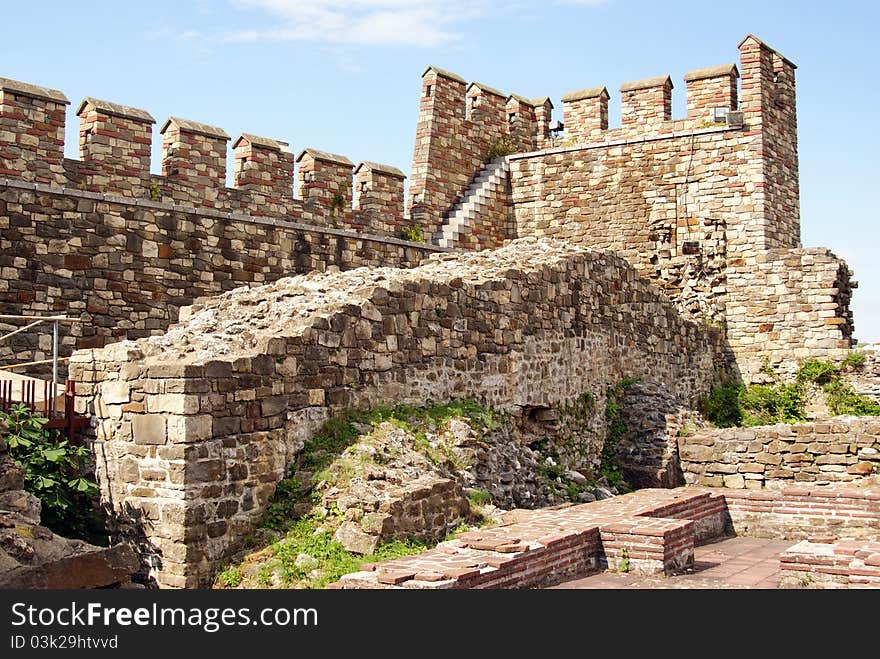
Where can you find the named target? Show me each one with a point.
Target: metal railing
(36, 321)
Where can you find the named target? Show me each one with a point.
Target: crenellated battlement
(31, 132)
(458, 123)
(460, 127)
(646, 106)
(586, 112)
(697, 202)
(115, 143)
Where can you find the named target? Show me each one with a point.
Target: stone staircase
(472, 203)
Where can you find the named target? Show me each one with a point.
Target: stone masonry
(194, 428)
(703, 205)
(665, 249)
(837, 449)
(707, 206)
(125, 266)
(104, 240)
(457, 127)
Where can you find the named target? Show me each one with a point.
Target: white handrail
(37, 320)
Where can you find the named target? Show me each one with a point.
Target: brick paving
(651, 530)
(659, 537)
(730, 563)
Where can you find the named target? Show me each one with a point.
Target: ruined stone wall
(699, 204)
(653, 420)
(194, 428)
(787, 305)
(645, 199)
(124, 266)
(837, 449)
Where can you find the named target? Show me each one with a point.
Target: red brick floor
(730, 563)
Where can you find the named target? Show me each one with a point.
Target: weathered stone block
(734, 481)
(115, 392)
(189, 429)
(696, 453)
(149, 429)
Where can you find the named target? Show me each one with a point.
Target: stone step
(474, 201)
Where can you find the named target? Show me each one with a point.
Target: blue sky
(343, 75)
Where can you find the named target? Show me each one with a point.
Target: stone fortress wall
(194, 427)
(706, 207)
(102, 240)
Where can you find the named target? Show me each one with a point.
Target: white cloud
(371, 22)
(366, 22)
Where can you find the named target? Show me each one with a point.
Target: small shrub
(624, 560)
(733, 404)
(854, 360)
(551, 472)
(280, 511)
(722, 406)
(54, 473)
(155, 192)
(766, 405)
(817, 371)
(338, 201)
(231, 577)
(413, 233)
(843, 399)
(503, 146)
(477, 497)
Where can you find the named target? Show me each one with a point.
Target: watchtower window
(429, 90)
(363, 187)
(511, 117)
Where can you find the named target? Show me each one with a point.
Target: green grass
(310, 536)
(478, 497)
(325, 457)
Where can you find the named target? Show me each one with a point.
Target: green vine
(609, 465)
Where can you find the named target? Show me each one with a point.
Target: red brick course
(656, 528)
